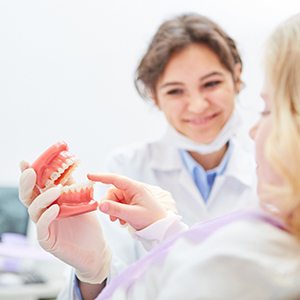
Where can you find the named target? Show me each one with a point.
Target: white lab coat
(244, 260)
(158, 163)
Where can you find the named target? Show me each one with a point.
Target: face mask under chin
(180, 141)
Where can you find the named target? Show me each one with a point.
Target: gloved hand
(77, 241)
(133, 202)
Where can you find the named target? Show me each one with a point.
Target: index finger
(120, 182)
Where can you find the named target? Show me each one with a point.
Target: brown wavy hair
(173, 36)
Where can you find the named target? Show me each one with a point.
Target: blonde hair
(282, 67)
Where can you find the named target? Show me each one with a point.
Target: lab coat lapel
(190, 187)
(174, 177)
(241, 165)
(167, 161)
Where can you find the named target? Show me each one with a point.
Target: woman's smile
(202, 120)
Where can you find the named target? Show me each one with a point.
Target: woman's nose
(198, 103)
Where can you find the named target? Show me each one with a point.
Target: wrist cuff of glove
(97, 276)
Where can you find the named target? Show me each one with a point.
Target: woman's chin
(202, 140)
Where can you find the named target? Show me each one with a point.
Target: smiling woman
(196, 93)
(192, 72)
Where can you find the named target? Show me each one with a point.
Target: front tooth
(71, 187)
(69, 162)
(60, 170)
(65, 166)
(65, 189)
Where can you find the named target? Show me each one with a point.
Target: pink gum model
(54, 167)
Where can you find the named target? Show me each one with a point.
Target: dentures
(55, 166)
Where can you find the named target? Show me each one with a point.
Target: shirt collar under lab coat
(191, 164)
(240, 165)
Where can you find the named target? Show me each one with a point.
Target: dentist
(192, 73)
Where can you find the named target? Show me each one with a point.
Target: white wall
(66, 70)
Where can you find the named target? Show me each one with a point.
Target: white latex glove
(77, 241)
(133, 202)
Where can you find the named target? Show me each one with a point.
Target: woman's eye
(211, 84)
(175, 92)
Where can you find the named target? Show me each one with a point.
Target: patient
(244, 255)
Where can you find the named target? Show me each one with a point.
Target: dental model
(55, 166)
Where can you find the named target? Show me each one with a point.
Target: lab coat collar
(165, 157)
(240, 165)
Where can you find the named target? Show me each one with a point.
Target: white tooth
(60, 170)
(65, 166)
(64, 189)
(68, 188)
(54, 176)
(71, 187)
(48, 183)
(69, 162)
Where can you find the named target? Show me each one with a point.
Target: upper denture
(43, 165)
